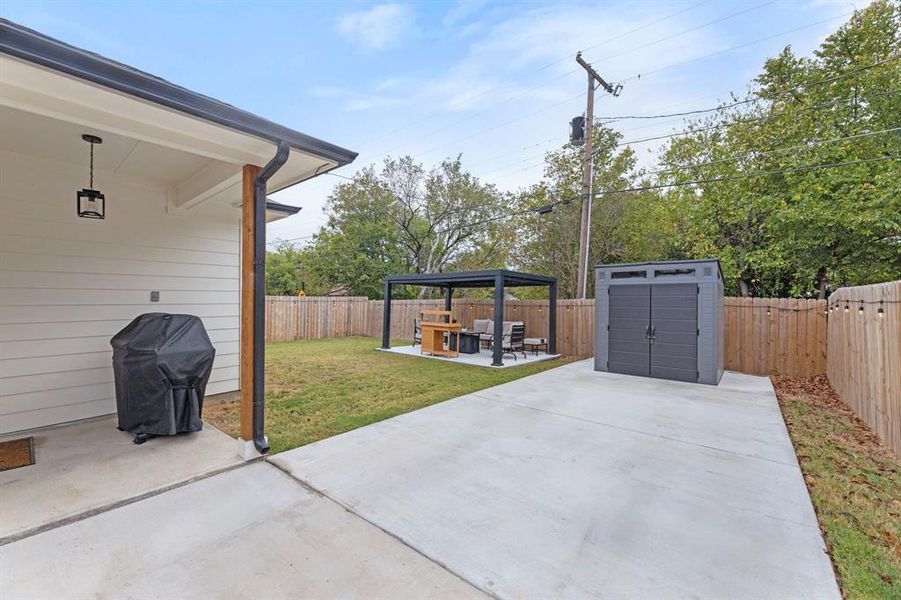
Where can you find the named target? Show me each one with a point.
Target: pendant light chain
(91, 185)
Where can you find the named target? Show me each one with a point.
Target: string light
(880, 311)
(767, 311)
(860, 310)
(847, 308)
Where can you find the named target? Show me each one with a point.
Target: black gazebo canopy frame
(498, 279)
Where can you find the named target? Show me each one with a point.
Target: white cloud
(462, 11)
(380, 27)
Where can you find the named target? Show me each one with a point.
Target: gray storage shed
(661, 319)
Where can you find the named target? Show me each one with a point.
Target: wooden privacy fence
(865, 355)
(309, 318)
(783, 336)
(762, 336)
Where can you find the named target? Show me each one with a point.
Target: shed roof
(472, 279)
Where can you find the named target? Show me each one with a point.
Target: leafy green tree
(359, 244)
(284, 270)
(782, 220)
(404, 219)
(549, 243)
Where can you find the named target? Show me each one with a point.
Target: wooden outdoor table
(433, 338)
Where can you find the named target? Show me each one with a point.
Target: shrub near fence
(865, 355)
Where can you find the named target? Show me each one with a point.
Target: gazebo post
(498, 321)
(386, 317)
(552, 319)
(448, 295)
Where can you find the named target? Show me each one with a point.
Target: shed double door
(653, 330)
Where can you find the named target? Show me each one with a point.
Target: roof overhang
(277, 210)
(52, 79)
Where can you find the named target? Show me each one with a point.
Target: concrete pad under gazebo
(499, 279)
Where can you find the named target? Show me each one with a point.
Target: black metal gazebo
(499, 279)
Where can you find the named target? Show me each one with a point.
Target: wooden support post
(247, 256)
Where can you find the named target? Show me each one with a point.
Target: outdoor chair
(417, 331)
(513, 343)
(485, 329)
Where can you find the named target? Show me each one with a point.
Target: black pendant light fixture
(91, 204)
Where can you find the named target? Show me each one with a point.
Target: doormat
(16, 453)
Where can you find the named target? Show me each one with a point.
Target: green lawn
(319, 388)
(855, 484)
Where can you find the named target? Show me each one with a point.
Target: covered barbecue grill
(161, 364)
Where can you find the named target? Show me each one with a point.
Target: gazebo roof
(472, 279)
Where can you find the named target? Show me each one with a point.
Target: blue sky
(495, 81)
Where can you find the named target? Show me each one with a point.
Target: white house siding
(68, 284)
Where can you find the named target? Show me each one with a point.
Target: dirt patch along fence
(762, 336)
(864, 363)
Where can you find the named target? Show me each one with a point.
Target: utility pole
(594, 80)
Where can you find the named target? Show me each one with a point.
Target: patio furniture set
(439, 334)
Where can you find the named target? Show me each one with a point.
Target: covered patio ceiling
(51, 93)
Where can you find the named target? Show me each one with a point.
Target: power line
(505, 123)
(752, 175)
(289, 240)
(820, 106)
(613, 119)
(646, 188)
(732, 15)
(757, 153)
(689, 30)
(740, 46)
(609, 120)
(762, 118)
(563, 201)
(547, 66)
(339, 175)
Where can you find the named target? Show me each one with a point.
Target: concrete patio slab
(88, 465)
(252, 532)
(482, 359)
(574, 483)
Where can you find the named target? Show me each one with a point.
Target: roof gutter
(259, 294)
(26, 44)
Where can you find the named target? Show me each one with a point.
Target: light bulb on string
(880, 311)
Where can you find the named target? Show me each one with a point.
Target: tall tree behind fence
(762, 335)
(865, 355)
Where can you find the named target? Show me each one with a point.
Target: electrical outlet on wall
(154, 296)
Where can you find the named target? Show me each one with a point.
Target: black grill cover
(161, 364)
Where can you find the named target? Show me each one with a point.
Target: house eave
(31, 46)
